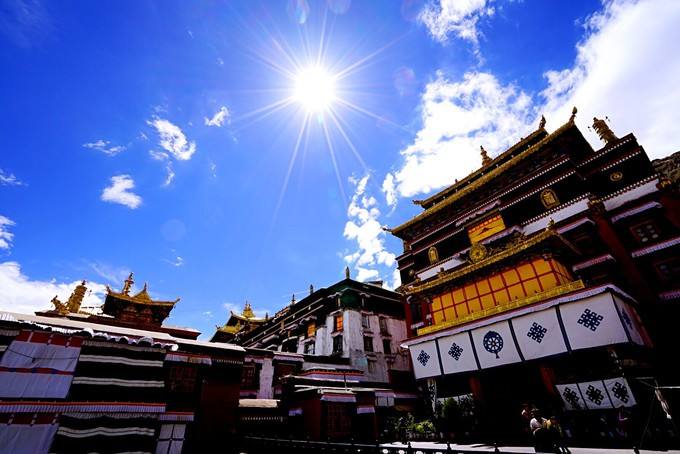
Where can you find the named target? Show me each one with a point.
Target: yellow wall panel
(483, 286)
(475, 305)
(516, 291)
(450, 313)
(496, 282)
(532, 287)
(436, 303)
(470, 291)
(487, 301)
(526, 271)
(501, 296)
(541, 266)
(511, 277)
(548, 281)
(446, 300)
(458, 296)
(438, 317)
(462, 310)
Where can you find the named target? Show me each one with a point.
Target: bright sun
(314, 89)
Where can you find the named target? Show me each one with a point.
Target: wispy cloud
(173, 140)
(5, 235)
(9, 179)
(177, 261)
(219, 119)
(105, 147)
(24, 22)
(19, 293)
(363, 227)
(120, 192)
(112, 274)
(459, 18)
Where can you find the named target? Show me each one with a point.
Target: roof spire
(247, 310)
(311, 289)
(486, 160)
(602, 129)
(76, 298)
(541, 124)
(347, 272)
(573, 114)
(127, 285)
(292, 299)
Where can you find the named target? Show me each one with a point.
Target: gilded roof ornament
(347, 272)
(127, 285)
(603, 130)
(573, 115)
(486, 160)
(541, 124)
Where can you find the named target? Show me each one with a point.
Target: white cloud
(112, 274)
(364, 228)
(455, 17)
(105, 147)
(119, 192)
(220, 117)
(627, 67)
(9, 179)
(19, 293)
(624, 69)
(5, 236)
(177, 261)
(458, 117)
(173, 140)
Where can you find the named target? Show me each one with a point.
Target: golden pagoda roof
(142, 297)
(483, 175)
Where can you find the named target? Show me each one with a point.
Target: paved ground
(518, 449)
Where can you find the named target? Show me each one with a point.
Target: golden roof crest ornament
(127, 285)
(248, 311)
(541, 124)
(72, 305)
(486, 160)
(604, 131)
(478, 252)
(347, 272)
(573, 115)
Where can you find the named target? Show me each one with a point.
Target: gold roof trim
(521, 245)
(483, 179)
(141, 298)
(553, 292)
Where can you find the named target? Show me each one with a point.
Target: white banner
(456, 353)
(571, 397)
(631, 321)
(494, 345)
(425, 360)
(539, 334)
(619, 392)
(593, 322)
(595, 395)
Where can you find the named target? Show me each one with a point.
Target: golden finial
(292, 299)
(486, 160)
(311, 289)
(541, 124)
(128, 285)
(76, 298)
(347, 272)
(247, 311)
(551, 224)
(59, 306)
(603, 131)
(573, 115)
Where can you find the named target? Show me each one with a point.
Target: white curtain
(26, 439)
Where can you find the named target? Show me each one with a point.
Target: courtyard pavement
(517, 449)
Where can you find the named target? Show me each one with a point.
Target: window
(311, 329)
(365, 321)
(338, 323)
(309, 348)
(387, 346)
(339, 420)
(371, 367)
(669, 270)
(368, 344)
(182, 379)
(337, 344)
(383, 326)
(249, 377)
(646, 232)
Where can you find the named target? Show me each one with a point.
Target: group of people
(546, 433)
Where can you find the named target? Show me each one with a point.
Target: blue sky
(161, 137)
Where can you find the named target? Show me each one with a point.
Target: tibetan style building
(244, 322)
(116, 381)
(551, 277)
(329, 365)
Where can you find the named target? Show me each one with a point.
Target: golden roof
(142, 297)
(466, 186)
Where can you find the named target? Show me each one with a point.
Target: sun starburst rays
(315, 86)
